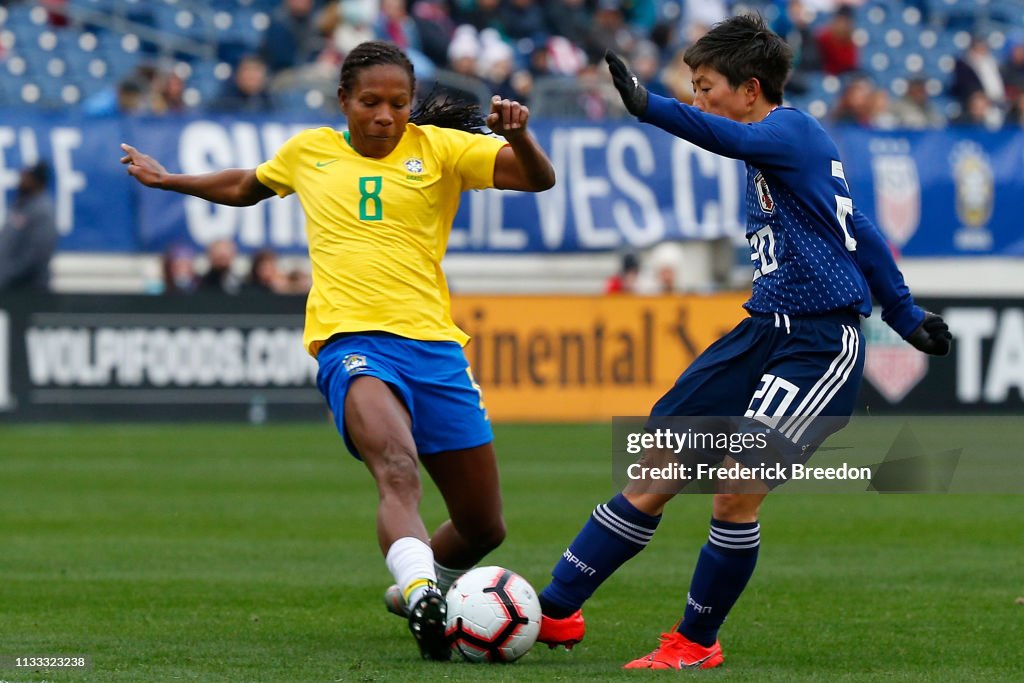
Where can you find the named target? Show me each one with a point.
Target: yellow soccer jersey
(378, 228)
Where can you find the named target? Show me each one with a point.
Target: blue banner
(620, 185)
(951, 192)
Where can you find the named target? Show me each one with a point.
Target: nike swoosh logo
(321, 164)
(693, 665)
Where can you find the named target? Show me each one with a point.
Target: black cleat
(426, 621)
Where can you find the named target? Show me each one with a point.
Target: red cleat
(566, 632)
(678, 652)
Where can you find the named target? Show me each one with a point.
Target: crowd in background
(541, 53)
(220, 272)
(475, 48)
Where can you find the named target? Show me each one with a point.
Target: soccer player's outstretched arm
(232, 187)
(926, 331)
(522, 165)
(768, 143)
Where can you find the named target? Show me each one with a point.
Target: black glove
(634, 95)
(932, 335)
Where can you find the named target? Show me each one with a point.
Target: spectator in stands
(856, 103)
(1015, 116)
(436, 28)
(662, 275)
(647, 67)
(496, 64)
(264, 275)
(645, 15)
(128, 98)
(678, 78)
(980, 111)
(464, 50)
(915, 110)
(594, 98)
(882, 117)
(248, 91)
(179, 271)
(1012, 69)
(794, 25)
(220, 275)
(56, 12)
(463, 53)
(624, 281)
(524, 20)
(540, 65)
(838, 53)
(292, 39)
(558, 57)
(168, 95)
(698, 17)
(298, 281)
(568, 18)
(977, 69)
(608, 31)
(346, 25)
(480, 14)
(396, 26)
(28, 237)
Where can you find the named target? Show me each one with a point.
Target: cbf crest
(975, 196)
(354, 363)
(891, 365)
(897, 189)
(764, 195)
(414, 166)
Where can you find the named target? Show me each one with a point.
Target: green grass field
(235, 553)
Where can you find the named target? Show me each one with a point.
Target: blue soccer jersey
(812, 251)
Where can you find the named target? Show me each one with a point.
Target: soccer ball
(493, 615)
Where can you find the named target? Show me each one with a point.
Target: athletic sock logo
(582, 566)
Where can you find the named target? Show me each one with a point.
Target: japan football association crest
(891, 365)
(764, 196)
(897, 190)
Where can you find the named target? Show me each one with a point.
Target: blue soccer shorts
(794, 378)
(432, 379)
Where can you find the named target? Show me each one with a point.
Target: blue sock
(725, 565)
(615, 532)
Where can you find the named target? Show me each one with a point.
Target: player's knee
(736, 507)
(486, 536)
(398, 474)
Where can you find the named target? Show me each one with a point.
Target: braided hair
(431, 110)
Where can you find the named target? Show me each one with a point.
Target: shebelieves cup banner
(621, 185)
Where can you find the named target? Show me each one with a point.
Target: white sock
(411, 562)
(446, 576)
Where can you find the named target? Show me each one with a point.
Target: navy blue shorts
(796, 377)
(432, 379)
